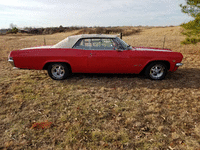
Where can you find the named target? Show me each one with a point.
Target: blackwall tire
(156, 71)
(58, 71)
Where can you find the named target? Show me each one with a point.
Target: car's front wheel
(58, 71)
(156, 71)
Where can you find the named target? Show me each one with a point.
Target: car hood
(39, 47)
(151, 49)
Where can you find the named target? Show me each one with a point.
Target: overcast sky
(53, 13)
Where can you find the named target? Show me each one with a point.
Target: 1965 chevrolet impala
(96, 53)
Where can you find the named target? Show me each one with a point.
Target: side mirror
(119, 48)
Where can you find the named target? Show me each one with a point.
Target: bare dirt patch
(92, 111)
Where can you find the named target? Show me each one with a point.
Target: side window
(79, 45)
(108, 44)
(102, 44)
(83, 44)
(96, 44)
(87, 43)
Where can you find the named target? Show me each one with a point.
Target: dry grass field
(92, 111)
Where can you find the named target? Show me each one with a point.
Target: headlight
(11, 61)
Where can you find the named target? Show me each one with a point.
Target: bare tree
(13, 26)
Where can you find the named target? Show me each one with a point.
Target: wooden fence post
(121, 35)
(164, 42)
(44, 41)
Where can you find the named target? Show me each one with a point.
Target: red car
(96, 53)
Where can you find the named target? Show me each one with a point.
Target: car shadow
(182, 78)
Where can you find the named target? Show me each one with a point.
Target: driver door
(104, 58)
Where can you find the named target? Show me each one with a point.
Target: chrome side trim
(179, 64)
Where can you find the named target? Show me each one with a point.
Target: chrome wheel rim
(58, 71)
(157, 71)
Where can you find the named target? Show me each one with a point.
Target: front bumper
(11, 61)
(179, 64)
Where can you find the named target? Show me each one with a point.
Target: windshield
(124, 44)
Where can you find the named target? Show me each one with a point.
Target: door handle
(90, 54)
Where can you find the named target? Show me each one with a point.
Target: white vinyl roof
(71, 40)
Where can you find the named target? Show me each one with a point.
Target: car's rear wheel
(156, 71)
(58, 71)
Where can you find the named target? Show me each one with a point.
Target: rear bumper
(15, 68)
